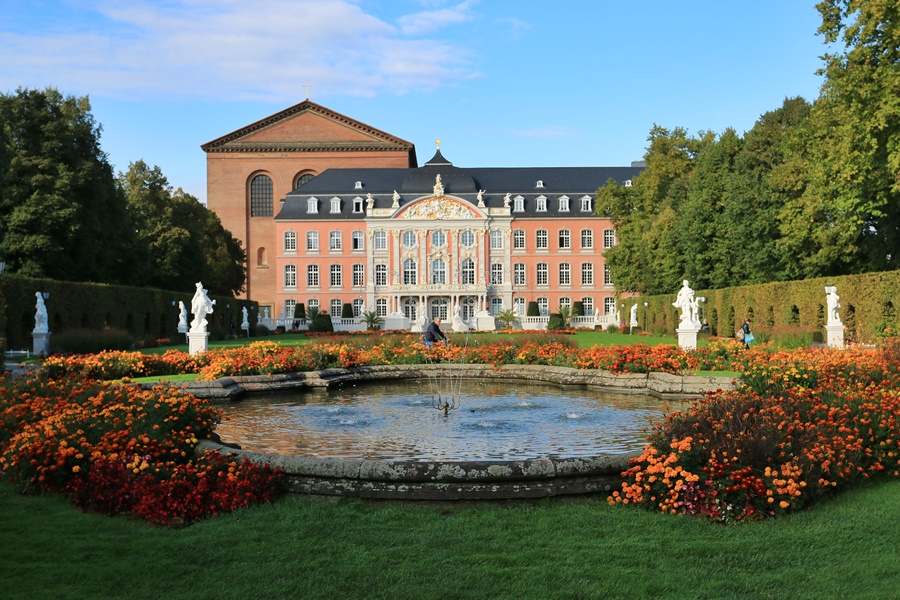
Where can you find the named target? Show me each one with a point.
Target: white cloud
(432, 20)
(236, 50)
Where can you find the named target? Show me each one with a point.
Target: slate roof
(412, 184)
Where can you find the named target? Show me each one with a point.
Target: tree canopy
(65, 215)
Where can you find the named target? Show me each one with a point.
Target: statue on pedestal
(201, 306)
(182, 318)
(41, 324)
(684, 301)
(832, 301)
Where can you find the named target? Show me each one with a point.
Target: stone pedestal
(396, 322)
(459, 326)
(41, 343)
(198, 341)
(835, 337)
(485, 322)
(687, 335)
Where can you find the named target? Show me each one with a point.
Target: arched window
(438, 271)
(290, 276)
(261, 193)
(303, 179)
(409, 272)
(468, 271)
(290, 241)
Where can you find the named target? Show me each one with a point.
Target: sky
(502, 83)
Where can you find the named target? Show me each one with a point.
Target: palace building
(332, 212)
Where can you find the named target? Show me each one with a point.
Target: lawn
(304, 548)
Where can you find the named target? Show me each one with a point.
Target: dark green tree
(61, 215)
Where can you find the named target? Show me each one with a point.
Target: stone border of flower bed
(449, 481)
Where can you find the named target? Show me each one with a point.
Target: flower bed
(801, 425)
(120, 449)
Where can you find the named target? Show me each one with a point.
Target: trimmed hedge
(145, 313)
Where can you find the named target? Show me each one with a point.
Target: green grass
(300, 548)
(287, 339)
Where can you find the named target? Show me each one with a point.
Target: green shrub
(347, 311)
(556, 322)
(612, 329)
(300, 311)
(578, 308)
(321, 322)
(91, 341)
(533, 310)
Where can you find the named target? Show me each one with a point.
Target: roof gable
(306, 127)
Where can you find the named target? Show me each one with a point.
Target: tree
(178, 240)
(61, 215)
(373, 320)
(507, 317)
(848, 217)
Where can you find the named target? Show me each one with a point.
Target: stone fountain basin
(415, 480)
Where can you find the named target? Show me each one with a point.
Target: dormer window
(539, 184)
(335, 205)
(627, 183)
(563, 204)
(358, 185)
(357, 205)
(519, 204)
(586, 204)
(541, 204)
(312, 205)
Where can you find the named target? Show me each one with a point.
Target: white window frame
(335, 205)
(381, 274)
(519, 274)
(312, 205)
(335, 276)
(542, 274)
(380, 240)
(586, 204)
(359, 275)
(519, 204)
(409, 239)
(467, 238)
(358, 241)
(587, 273)
(312, 241)
(335, 243)
(496, 274)
(290, 241)
(564, 237)
(438, 271)
(312, 276)
(290, 276)
(541, 240)
(565, 274)
(609, 238)
(541, 204)
(496, 237)
(467, 271)
(519, 239)
(563, 204)
(336, 303)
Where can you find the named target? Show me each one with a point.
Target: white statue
(481, 198)
(597, 314)
(396, 199)
(695, 311)
(683, 301)
(246, 323)
(40, 315)
(438, 186)
(634, 321)
(456, 311)
(832, 300)
(266, 313)
(506, 200)
(201, 306)
(182, 318)
(370, 201)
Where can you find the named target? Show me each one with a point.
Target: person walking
(433, 333)
(747, 336)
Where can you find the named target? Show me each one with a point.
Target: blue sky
(499, 82)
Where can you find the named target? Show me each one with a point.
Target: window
(563, 204)
(519, 204)
(565, 274)
(496, 239)
(409, 239)
(541, 204)
(334, 240)
(519, 274)
(409, 272)
(467, 238)
(588, 304)
(541, 239)
(586, 204)
(587, 274)
(410, 308)
(565, 239)
(496, 306)
(609, 238)
(290, 241)
(303, 179)
(312, 276)
(565, 302)
(519, 239)
(496, 274)
(438, 238)
(261, 193)
(358, 240)
(312, 205)
(438, 271)
(313, 304)
(380, 274)
(539, 184)
(542, 274)
(290, 306)
(336, 279)
(336, 306)
(627, 183)
(381, 240)
(359, 275)
(468, 271)
(381, 307)
(290, 276)
(357, 205)
(587, 239)
(335, 205)
(357, 185)
(358, 307)
(607, 276)
(543, 306)
(609, 306)
(439, 308)
(312, 241)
